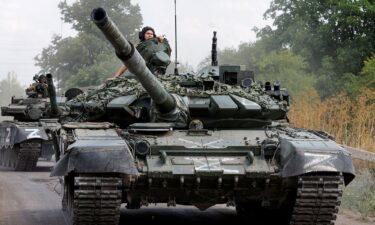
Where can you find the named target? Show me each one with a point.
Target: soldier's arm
(161, 39)
(31, 87)
(120, 71)
(165, 41)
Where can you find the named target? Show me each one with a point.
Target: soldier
(154, 49)
(38, 88)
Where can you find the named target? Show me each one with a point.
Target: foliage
(88, 59)
(335, 37)
(287, 68)
(365, 79)
(350, 121)
(126, 15)
(9, 87)
(340, 29)
(353, 84)
(282, 65)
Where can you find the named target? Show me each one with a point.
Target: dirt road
(31, 198)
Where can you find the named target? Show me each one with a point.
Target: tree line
(87, 59)
(327, 45)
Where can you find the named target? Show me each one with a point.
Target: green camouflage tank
(27, 126)
(215, 137)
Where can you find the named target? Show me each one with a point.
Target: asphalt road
(28, 197)
(32, 198)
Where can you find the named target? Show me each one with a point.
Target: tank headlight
(196, 125)
(142, 148)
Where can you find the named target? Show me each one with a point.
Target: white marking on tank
(201, 145)
(210, 144)
(319, 159)
(7, 139)
(211, 164)
(33, 134)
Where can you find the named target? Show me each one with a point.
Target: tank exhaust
(214, 51)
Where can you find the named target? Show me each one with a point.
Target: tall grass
(350, 121)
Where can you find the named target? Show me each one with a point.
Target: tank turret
(127, 53)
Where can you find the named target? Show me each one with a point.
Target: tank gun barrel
(127, 53)
(52, 95)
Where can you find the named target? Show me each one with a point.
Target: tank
(27, 125)
(215, 137)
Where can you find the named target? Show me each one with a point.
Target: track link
(28, 155)
(93, 200)
(318, 199)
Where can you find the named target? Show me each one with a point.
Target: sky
(26, 27)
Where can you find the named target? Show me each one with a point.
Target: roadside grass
(350, 121)
(359, 195)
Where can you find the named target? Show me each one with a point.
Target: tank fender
(318, 155)
(96, 156)
(11, 134)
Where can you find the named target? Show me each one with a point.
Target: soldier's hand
(161, 39)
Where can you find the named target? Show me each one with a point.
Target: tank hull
(183, 168)
(23, 143)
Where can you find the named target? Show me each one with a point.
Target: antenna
(175, 36)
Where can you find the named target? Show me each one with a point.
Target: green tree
(366, 79)
(87, 59)
(342, 30)
(10, 86)
(289, 69)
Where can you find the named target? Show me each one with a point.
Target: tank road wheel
(92, 200)
(318, 199)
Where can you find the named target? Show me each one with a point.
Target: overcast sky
(28, 26)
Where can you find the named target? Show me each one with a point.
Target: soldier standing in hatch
(146, 34)
(38, 88)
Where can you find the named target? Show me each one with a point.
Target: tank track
(318, 199)
(92, 200)
(23, 157)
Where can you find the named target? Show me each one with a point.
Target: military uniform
(37, 89)
(156, 54)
